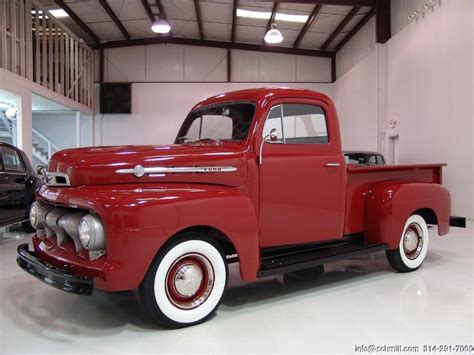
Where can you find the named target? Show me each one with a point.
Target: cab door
(302, 176)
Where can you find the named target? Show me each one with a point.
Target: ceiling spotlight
(273, 36)
(10, 113)
(161, 26)
(58, 13)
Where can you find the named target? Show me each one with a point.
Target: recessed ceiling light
(58, 13)
(265, 15)
(254, 14)
(291, 18)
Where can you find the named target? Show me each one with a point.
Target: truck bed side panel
(360, 181)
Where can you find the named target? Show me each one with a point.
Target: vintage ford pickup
(255, 176)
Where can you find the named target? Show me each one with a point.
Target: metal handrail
(50, 144)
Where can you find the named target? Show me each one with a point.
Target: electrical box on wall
(116, 98)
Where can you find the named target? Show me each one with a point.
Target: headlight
(91, 233)
(38, 214)
(34, 214)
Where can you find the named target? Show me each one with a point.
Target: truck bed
(360, 180)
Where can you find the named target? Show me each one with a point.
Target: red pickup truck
(255, 176)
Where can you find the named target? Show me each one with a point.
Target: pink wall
(423, 78)
(430, 93)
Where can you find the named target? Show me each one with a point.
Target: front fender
(139, 219)
(389, 204)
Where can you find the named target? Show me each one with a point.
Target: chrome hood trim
(140, 171)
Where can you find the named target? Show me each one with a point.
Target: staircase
(43, 148)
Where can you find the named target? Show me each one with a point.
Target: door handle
(332, 165)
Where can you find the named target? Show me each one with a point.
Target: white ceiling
(217, 20)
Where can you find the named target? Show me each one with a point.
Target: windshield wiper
(184, 139)
(208, 139)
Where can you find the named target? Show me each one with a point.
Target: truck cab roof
(258, 94)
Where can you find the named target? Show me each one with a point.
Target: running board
(310, 258)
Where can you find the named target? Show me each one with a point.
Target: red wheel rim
(189, 281)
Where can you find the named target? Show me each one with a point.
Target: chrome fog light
(91, 233)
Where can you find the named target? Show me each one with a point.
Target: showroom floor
(356, 302)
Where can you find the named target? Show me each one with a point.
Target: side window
(274, 121)
(304, 124)
(12, 160)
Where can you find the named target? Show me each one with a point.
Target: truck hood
(194, 163)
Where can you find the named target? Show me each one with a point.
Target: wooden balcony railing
(36, 46)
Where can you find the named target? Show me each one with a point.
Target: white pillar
(78, 129)
(24, 124)
(382, 120)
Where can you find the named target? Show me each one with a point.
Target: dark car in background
(18, 183)
(364, 158)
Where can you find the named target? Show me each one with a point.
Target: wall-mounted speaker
(115, 98)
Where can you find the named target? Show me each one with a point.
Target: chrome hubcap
(188, 280)
(413, 241)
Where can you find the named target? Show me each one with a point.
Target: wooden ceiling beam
(272, 17)
(114, 18)
(383, 21)
(197, 7)
(234, 21)
(307, 25)
(356, 29)
(161, 8)
(340, 27)
(148, 11)
(77, 20)
(366, 3)
(214, 44)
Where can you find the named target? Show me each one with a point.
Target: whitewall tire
(413, 245)
(185, 282)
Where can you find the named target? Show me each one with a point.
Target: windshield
(219, 122)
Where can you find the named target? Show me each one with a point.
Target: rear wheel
(186, 281)
(413, 245)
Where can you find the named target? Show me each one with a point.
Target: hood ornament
(138, 171)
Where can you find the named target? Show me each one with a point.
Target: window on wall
(12, 160)
(301, 124)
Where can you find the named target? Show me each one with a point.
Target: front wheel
(413, 245)
(186, 281)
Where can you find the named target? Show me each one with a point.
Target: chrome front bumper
(51, 275)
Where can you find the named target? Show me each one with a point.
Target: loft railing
(36, 46)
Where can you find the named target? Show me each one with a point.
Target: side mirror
(272, 137)
(41, 170)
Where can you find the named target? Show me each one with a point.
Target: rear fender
(389, 204)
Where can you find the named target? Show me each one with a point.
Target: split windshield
(229, 122)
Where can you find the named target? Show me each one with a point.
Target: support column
(78, 129)
(382, 119)
(24, 124)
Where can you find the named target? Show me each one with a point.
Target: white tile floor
(357, 301)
